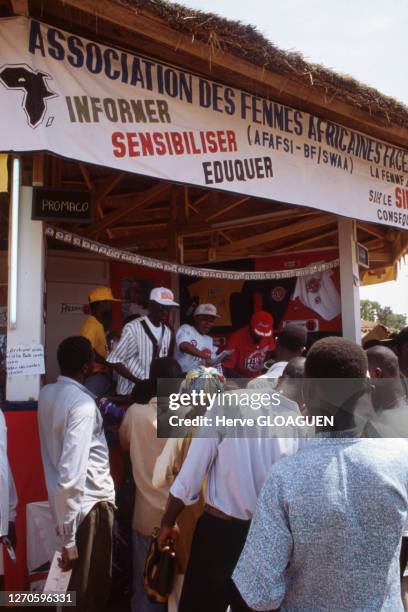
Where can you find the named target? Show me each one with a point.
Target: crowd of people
(297, 523)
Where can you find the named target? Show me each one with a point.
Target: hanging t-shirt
(217, 292)
(248, 357)
(188, 333)
(319, 293)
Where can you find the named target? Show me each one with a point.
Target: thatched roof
(247, 43)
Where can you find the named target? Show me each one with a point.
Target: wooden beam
(172, 237)
(381, 256)
(225, 209)
(226, 237)
(145, 199)
(278, 233)
(214, 209)
(372, 229)
(102, 192)
(39, 169)
(86, 176)
(306, 241)
(374, 243)
(107, 186)
(186, 202)
(214, 243)
(282, 88)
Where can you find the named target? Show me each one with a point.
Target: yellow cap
(101, 294)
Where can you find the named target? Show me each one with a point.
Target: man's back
(336, 512)
(73, 445)
(138, 434)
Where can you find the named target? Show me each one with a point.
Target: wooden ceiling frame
(144, 200)
(278, 233)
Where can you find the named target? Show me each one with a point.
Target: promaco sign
(68, 205)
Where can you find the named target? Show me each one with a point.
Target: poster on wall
(71, 96)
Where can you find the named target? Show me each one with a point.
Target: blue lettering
(109, 55)
(56, 50)
(75, 45)
(36, 40)
(93, 58)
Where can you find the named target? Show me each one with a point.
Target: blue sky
(367, 39)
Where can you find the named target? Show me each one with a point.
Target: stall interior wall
(71, 276)
(312, 301)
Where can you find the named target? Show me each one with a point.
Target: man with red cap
(252, 345)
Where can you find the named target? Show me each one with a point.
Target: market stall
(151, 144)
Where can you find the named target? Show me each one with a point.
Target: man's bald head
(382, 362)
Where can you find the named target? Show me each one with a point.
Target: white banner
(80, 99)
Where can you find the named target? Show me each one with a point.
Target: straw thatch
(247, 43)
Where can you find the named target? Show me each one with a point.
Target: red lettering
(119, 149)
(401, 198)
(222, 141)
(132, 144)
(158, 141)
(146, 143)
(232, 141)
(212, 143)
(177, 143)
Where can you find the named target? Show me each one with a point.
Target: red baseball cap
(262, 323)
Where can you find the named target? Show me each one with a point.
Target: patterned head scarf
(204, 379)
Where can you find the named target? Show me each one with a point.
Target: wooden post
(349, 279)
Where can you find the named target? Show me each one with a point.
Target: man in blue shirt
(326, 532)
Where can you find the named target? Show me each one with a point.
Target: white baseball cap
(207, 309)
(163, 296)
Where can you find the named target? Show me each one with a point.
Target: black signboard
(68, 205)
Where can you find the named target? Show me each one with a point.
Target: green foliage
(373, 311)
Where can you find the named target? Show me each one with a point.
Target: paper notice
(25, 360)
(57, 580)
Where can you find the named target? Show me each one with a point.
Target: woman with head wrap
(169, 463)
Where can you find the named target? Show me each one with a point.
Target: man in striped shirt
(143, 340)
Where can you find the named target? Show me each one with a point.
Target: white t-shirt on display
(188, 333)
(319, 293)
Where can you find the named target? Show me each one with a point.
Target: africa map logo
(33, 84)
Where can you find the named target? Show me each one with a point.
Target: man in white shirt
(290, 343)
(236, 469)
(143, 340)
(194, 346)
(8, 497)
(138, 435)
(77, 474)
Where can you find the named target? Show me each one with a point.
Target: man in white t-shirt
(194, 346)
